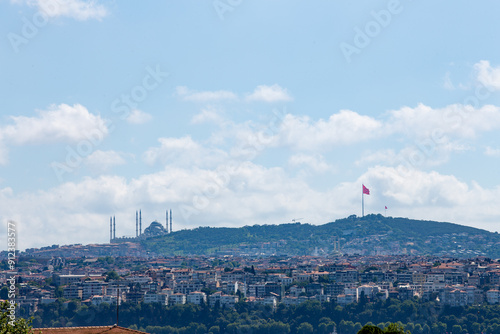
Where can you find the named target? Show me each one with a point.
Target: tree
(476, 327)
(456, 329)
(4, 293)
(112, 275)
(418, 329)
(346, 326)
(9, 324)
(395, 328)
(214, 330)
(59, 292)
(305, 328)
(369, 329)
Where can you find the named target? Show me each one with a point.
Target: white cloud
(487, 75)
(206, 96)
(102, 161)
(429, 136)
(273, 93)
(138, 117)
(315, 162)
(345, 127)
(492, 152)
(458, 121)
(81, 10)
(386, 157)
(60, 123)
(183, 152)
(414, 187)
(435, 131)
(421, 154)
(207, 115)
(169, 148)
(428, 195)
(264, 93)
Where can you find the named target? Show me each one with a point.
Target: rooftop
(87, 330)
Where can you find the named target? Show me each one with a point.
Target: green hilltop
(369, 235)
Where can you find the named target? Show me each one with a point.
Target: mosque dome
(155, 228)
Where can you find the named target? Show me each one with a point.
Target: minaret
(140, 222)
(110, 229)
(170, 220)
(166, 220)
(136, 224)
(114, 228)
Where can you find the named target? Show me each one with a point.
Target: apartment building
(92, 288)
(196, 297)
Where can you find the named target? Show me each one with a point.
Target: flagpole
(362, 202)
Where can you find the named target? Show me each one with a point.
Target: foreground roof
(87, 330)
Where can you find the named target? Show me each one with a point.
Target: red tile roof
(87, 330)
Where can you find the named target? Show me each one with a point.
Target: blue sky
(236, 112)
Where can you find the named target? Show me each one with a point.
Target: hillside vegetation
(369, 235)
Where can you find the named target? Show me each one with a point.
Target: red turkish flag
(366, 190)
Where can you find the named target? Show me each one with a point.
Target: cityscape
(123, 273)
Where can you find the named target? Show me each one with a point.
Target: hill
(369, 235)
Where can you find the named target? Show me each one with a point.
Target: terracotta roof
(87, 330)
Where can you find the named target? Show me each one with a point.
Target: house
(73, 291)
(334, 289)
(67, 279)
(151, 297)
(295, 291)
(93, 288)
(271, 301)
(454, 296)
(87, 330)
(196, 297)
(368, 290)
(405, 292)
(346, 299)
(294, 300)
(177, 298)
(313, 289)
(223, 300)
(493, 296)
(135, 296)
(98, 300)
(186, 287)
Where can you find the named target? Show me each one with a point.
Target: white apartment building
(224, 300)
(93, 288)
(142, 280)
(98, 300)
(196, 297)
(294, 300)
(368, 290)
(155, 298)
(177, 298)
(493, 296)
(346, 299)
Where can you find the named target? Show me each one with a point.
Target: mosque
(153, 230)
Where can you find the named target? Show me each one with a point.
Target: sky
(237, 112)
